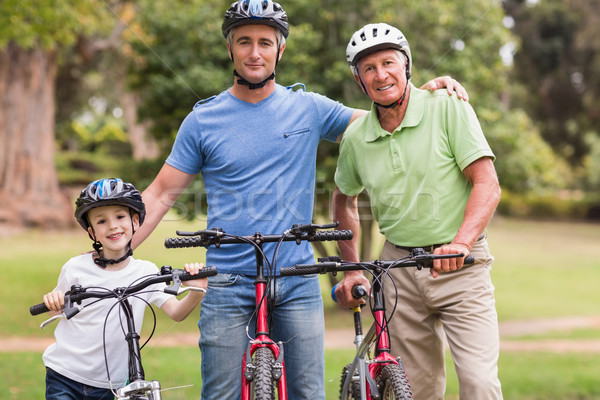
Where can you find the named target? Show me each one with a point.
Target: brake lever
(69, 311)
(190, 289)
(312, 227)
(175, 287)
(52, 319)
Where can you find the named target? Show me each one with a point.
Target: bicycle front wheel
(393, 383)
(263, 384)
(353, 391)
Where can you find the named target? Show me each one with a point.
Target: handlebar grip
(469, 260)
(38, 309)
(307, 269)
(182, 242)
(333, 296)
(358, 291)
(203, 273)
(323, 236)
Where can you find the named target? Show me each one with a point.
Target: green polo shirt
(413, 176)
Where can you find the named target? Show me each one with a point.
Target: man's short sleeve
(466, 136)
(186, 154)
(346, 177)
(334, 117)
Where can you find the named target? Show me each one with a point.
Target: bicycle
(374, 372)
(263, 365)
(138, 388)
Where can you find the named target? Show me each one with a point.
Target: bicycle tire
(263, 384)
(353, 389)
(393, 383)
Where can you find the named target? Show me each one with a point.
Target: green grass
(542, 270)
(524, 376)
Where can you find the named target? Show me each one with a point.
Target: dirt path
(343, 338)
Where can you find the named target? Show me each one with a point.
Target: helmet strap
(252, 86)
(103, 262)
(395, 103)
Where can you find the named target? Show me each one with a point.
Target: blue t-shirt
(258, 164)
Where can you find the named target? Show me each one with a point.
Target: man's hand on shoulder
(451, 84)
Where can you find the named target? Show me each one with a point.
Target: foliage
(80, 168)
(525, 162)
(174, 55)
(557, 62)
(49, 24)
(178, 59)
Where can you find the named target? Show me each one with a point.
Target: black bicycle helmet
(108, 192)
(258, 12)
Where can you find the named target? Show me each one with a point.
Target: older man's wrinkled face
(383, 75)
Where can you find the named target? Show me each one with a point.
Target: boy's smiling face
(113, 227)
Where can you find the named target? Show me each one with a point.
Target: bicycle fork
(367, 371)
(249, 369)
(138, 385)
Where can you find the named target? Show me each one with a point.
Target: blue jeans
(297, 322)
(59, 387)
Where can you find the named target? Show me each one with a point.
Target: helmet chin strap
(252, 86)
(103, 262)
(395, 103)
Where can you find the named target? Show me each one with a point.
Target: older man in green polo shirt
(428, 170)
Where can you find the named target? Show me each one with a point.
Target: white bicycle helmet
(374, 37)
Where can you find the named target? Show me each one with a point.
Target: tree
(33, 38)
(557, 63)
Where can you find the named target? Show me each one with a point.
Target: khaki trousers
(460, 304)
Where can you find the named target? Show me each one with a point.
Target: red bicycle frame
(382, 348)
(262, 338)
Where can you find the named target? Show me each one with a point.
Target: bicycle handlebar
(298, 233)
(166, 275)
(335, 264)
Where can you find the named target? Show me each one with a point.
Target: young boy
(110, 210)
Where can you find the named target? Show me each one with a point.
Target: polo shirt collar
(413, 116)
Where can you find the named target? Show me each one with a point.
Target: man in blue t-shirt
(255, 145)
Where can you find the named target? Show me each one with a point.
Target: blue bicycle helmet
(258, 12)
(108, 192)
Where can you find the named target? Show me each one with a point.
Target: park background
(93, 89)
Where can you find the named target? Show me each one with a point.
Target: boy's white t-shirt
(78, 352)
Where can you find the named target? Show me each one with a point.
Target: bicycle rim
(262, 386)
(393, 383)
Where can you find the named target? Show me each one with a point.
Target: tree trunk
(29, 191)
(143, 145)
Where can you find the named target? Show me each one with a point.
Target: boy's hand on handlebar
(192, 269)
(343, 292)
(55, 301)
(449, 264)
